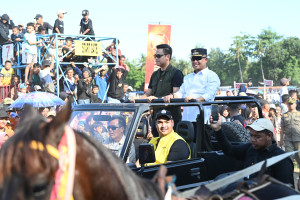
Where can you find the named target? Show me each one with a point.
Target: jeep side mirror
(146, 153)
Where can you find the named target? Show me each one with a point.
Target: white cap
(62, 12)
(262, 124)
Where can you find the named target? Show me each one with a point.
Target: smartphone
(215, 112)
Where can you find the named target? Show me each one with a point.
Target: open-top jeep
(207, 160)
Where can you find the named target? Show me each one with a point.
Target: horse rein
(66, 156)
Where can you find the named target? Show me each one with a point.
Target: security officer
(169, 146)
(290, 129)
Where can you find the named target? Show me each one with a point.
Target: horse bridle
(66, 155)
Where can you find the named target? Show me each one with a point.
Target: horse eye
(40, 189)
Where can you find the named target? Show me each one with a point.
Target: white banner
(7, 52)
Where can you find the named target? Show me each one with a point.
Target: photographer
(261, 147)
(84, 91)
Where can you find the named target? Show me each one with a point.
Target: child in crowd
(34, 74)
(45, 75)
(30, 48)
(16, 36)
(15, 84)
(94, 97)
(59, 23)
(21, 28)
(23, 89)
(7, 72)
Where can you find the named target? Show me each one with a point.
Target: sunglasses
(112, 127)
(197, 58)
(158, 55)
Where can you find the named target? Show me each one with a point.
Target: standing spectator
(14, 87)
(70, 82)
(223, 110)
(35, 78)
(235, 115)
(126, 92)
(122, 64)
(294, 95)
(253, 113)
(284, 104)
(21, 28)
(59, 23)
(228, 93)
(112, 50)
(84, 87)
(7, 72)
(16, 36)
(45, 76)
(284, 90)
(30, 49)
(202, 85)
(86, 24)
(278, 122)
(5, 24)
(116, 85)
(102, 81)
(290, 129)
(265, 107)
(46, 25)
(68, 51)
(94, 97)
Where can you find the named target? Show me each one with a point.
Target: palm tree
(237, 50)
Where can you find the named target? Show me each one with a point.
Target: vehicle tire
(235, 132)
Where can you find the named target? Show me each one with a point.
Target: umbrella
(38, 100)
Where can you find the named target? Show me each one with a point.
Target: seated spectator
(68, 51)
(86, 25)
(45, 76)
(99, 132)
(94, 97)
(116, 81)
(116, 139)
(7, 72)
(14, 119)
(40, 21)
(23, 90)
(112, 51)
(122, 64)
(84, 87)
(169, 146)
(14, 87)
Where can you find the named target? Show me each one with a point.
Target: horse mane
(135, 187)
(15, 153)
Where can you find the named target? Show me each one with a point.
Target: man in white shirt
(116, 139)
(202, 85)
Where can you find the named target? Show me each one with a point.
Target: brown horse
(28, 173)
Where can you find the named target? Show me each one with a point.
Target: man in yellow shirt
(3, 123)
(169, 146)
(7, 72)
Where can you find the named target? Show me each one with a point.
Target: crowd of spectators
(85, 83)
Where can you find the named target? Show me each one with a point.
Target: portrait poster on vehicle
(157, 34)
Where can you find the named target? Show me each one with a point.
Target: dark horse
(28, 173)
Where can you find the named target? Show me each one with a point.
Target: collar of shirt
(202, 72)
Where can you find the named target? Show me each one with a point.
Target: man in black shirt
(261, 147)
(86, 25)
(46, 25)
(116, 85)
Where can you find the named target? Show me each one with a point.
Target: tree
(136, 76)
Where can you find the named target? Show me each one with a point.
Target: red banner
(157, 34)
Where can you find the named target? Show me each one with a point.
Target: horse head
(28, 168)
(28, 173)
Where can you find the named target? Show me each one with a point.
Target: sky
(210, 23)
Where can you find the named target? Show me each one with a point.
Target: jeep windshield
(107, 126)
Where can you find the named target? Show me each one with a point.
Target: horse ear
(57, 125)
